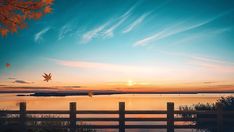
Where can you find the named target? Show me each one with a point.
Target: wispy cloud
(22, 82)
(200, 35)
(11, 78)
(207, 63)
(88, 36)
(64, 30)
(212, 64)
(107, 29)
(103, 66)
(39, 36)
(108, 33)
(174, 29)
(136, 23)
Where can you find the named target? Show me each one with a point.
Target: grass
(39, 126)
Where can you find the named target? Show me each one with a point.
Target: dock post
(72, 116)
(121, 117)
(170, 117)
(22, 117)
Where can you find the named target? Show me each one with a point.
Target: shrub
(227, 104)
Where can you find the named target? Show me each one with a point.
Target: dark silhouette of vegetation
(227, 104)
(39, 126)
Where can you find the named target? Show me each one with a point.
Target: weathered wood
(48, 112)
(121, 117)
(145, 112)
(145, 119)
(97, 119)
(22, 109)
(97, 112)
(219, 117)
(73, 117)
(146, 126)
(170, 117)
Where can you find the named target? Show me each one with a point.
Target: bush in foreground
(227, 104)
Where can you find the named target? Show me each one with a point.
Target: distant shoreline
(95, 92)
(63, 94)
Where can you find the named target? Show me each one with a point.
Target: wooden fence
(170, 118)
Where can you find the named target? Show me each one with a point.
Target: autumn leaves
(47, 77)
(14, 13)
(7, 65)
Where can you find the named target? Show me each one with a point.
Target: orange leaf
(37, 15)
(4, 32)
(47, 9)
(48, 2)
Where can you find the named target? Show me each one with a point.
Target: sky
(141, 43)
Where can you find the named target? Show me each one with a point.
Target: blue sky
(145, 42)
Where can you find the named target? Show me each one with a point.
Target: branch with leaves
(15, 13)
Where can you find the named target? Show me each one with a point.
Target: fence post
(219, 117)
(121, 117)
(22, 117)
(170, 117)
(72, 116)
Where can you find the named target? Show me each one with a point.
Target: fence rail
(122, 120)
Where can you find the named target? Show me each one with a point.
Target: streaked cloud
(22, 82)
(200, 35)
(38, 37)
(108, 33)
(94, 33)
(65, 29)
(11, 78)
(138, 21)
(104, 66)
(103, 30)
(213, 65)
(175, 29)
(207, 63)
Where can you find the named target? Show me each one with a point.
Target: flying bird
(47, 77)
(7, 65)
(90, 93)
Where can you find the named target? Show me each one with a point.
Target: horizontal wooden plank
(145, 112)
(228, 112)
(115, 119)
(111, 112)
(97, 112)
(145, 126)
(9, 119)
(48, 127)
(99, 126)
(97, 119)
(185, 126)
(228, 119)
(48, 119)
(9, 112)
(47, 112)
(145, 119)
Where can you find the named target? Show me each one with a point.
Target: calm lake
(107, 102)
